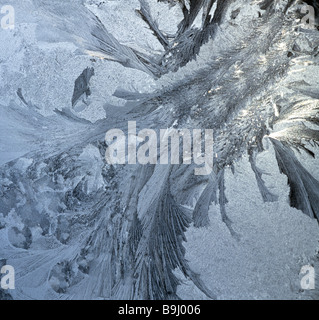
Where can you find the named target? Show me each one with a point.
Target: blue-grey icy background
(41, 61)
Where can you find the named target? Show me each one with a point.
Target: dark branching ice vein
(125, 239)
